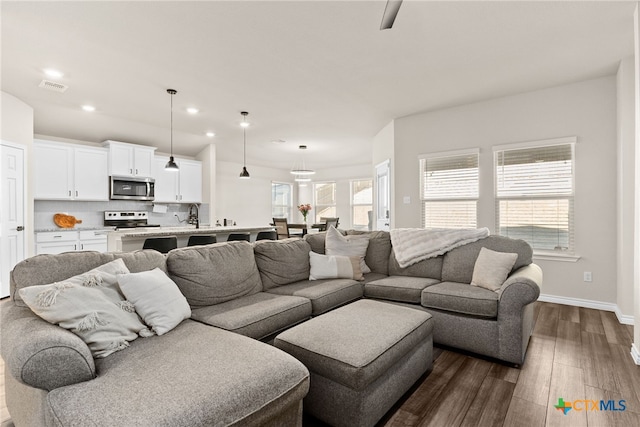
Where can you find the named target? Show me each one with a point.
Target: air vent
(54, 86)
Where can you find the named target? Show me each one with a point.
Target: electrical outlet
(587, 276)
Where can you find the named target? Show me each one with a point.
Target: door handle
(19, 228)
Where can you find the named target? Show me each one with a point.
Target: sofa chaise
(216, 368)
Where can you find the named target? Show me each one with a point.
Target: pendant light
(245, 173)
(300, 169)
(171, 164)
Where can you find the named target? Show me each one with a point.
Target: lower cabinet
(56, 242)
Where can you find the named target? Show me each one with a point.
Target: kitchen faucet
(194, 215)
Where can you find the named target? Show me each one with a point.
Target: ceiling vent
(54, 86)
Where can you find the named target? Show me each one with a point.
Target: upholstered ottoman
(362, 358)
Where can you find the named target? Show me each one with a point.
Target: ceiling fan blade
(390, 12)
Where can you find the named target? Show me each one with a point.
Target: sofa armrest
(42, 355)
(522, 287)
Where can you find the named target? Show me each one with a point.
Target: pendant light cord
(171, 125)
(244, 146)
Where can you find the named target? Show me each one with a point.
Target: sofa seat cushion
(256, 316)
(194, 375)
(461, 298)
(370, 277)
(398, 288)
(324, 294)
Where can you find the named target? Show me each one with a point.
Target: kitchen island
(131, 239)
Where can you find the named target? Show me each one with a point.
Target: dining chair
(161, 244)
(328, 222)
(282, 228)
(202, 239)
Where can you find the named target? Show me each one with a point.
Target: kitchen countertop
(88, 228)
(170, 231)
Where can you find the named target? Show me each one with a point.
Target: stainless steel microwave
(132, 188)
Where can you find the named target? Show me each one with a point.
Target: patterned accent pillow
(353, 245)
(334, 267)
(91, 306)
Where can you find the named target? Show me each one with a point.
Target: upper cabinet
(181, 186)
(130, 159)
(69, 171)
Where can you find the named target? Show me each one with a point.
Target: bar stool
(161, 244)
(201, 239)
(267, 235)
(239, 236)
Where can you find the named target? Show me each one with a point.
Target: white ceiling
(319, 73)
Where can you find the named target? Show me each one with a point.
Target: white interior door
(383, 196)
(12, 235)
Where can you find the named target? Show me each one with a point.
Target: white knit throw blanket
(412, 245)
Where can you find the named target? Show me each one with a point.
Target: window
(361, 204)
(325, 200)
(449, 189)
(281, 200)
(534, 193)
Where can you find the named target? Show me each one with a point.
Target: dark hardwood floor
(574, 353)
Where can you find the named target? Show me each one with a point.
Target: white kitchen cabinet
(56, 242)
(70, 171)
(182, 186)
(130, 159)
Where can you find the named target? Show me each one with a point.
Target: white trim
(598, 305)
(451, 153)
(534, 144)
(550, 256)
(635, 354)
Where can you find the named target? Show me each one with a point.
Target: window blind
(450, 189)
(534, 195)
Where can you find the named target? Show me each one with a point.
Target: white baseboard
(635, 354)
(586, 303)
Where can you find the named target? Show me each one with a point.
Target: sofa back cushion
(458, 263)
(316, 241)
(213, 274)
(377, 257)
(281, 262)
(431, 267)
(45, 269)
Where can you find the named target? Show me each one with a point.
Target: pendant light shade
(299, 169)
(245, 173)
(171, 164)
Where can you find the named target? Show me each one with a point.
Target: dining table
(304, 227)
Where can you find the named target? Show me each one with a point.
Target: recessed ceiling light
(192, 110)
(278, 141)
(210, 134)
(53, 73)
(89, 108)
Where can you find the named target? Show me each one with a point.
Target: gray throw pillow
(91, 306)
(492, 268)
(156, 298)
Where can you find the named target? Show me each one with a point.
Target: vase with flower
(304, 210)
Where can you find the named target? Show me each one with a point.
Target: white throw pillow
(354, 245)
(91, 306)
(334, 267)
(156, 298)
(492, 268)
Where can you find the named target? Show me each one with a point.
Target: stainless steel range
(127, 219)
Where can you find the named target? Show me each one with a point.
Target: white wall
(383, 149)
(208, 158)
(636, 250)
(16, 125)
(246, 201)
(625, 184)
(586, 110)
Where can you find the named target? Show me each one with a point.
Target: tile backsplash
(92, 213)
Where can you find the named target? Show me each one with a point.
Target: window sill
(555, 256)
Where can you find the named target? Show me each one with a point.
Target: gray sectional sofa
(216, 368)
